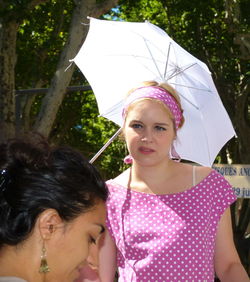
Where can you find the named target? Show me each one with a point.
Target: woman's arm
(227, 262)
(107, 263)
(107, 259)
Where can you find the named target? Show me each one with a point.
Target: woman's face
(149, 132)
(75, 244)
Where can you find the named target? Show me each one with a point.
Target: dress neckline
(193, 187)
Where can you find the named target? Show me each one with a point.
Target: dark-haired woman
(52, 212)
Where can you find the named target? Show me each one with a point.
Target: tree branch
(103, 8)
(34, 3)
(61, 79)
(242, 120)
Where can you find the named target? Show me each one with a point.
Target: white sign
(238, 176)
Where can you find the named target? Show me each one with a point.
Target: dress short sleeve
(224, 195)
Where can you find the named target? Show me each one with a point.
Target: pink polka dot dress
(168, 237)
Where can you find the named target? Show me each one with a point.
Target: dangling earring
(173, 154)
(128, 159)
(44, 268)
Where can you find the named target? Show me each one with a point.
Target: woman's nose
(147, 136)
(92, 258)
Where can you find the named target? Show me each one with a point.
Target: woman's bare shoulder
(123, 178)
(202, 172)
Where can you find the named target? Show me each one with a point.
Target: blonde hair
(166, 87)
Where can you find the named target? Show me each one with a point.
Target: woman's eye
(160, 128)
(136, 125)
(92, 240)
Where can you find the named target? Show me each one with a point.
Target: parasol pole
(105, 145)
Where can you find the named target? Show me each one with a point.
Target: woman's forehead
(148, 105)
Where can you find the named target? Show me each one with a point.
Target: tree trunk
(10, 18)
(243, 128)
(8, 31)
(61, 79)
(241, 114)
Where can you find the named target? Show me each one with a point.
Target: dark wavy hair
(36, 177)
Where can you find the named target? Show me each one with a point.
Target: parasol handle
(105, 145)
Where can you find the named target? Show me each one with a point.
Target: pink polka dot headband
(158, 93)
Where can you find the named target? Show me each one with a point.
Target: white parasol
(118, 55)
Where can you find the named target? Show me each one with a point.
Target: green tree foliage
(41, 37)
(42, 32)
(79, 125)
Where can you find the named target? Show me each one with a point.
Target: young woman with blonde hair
(167, 220)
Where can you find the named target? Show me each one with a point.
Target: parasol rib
(166, 66)
(153, 59)
(187, 86)
(105, 145)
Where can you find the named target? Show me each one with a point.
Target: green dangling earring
(44, 268)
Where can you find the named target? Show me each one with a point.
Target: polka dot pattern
(158, 93)
(167, 237)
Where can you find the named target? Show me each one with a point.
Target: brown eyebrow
(165, 124)
(135, 120)
(160, 123)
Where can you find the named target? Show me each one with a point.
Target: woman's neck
(19, 262)
(146, 178)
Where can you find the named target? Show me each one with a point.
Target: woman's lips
(145, 150)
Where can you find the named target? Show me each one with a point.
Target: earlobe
(48, 222)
